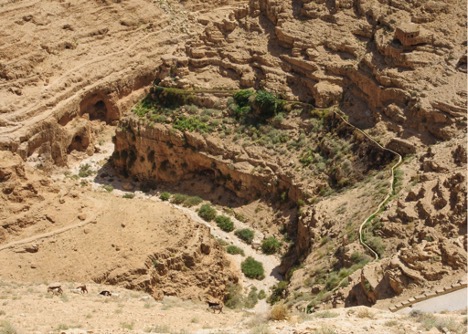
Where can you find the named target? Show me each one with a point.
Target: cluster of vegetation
(164, 196)
(185, 200)
(207, 212)
(164, 105)
(225, 223)
(252, 268)
(270, 245)
(171, 97)
(85, 170)
(108, 187)
(443, 324)
(371, 238)
(249, 106)
(181, 199)
(245, 235)
(236, 300)
(234, 250)
(278, 292)
(193, 124)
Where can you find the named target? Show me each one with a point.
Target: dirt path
(95, 210)
(270, 262)
(390, 190)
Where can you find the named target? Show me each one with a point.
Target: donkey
(105, 293)
(215, 307)
(82, 288)
(55, 289)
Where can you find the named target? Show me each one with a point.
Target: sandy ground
(30, 309)
(270, 262)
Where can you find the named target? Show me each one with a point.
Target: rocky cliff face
(191, 267)
(65, 61)
(395, 68)
(389, 65)
(158, 152)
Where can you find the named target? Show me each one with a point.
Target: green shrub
(144, 107)
(270, 245)
(376, 244)
(224, 223)
(332, 281)
(192, 124)
(252, 298)
(267, 103)
(207, 212)
(252, 268)
(242, 97)
(128, 195)
(245, 234)
(278, 293)
(360, 258)
(178, 198)
(192, 201)
(234, 250)
(108, 187)
(165, 196)
(85, 171)
(261, 294)
(233, 298)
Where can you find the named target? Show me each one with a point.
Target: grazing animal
(215, 307)
(55, 289)
(105, 293)
(82, 288)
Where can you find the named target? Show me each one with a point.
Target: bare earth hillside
(334, 130)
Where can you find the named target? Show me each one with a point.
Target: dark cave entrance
(99, 108)
(98, 111)
(78, 143)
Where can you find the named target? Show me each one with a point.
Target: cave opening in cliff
(78, 143)
(98, 111)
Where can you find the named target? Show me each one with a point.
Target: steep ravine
(271, 263)
(158, 153)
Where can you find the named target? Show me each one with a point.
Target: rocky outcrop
(318, 57)
(22, 192)
(425, 230)
(88, 61)
(194, 267)
(159, 153)
(163, 154)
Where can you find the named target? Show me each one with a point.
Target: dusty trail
(95, 210)
(270, 262)
(390, 191)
